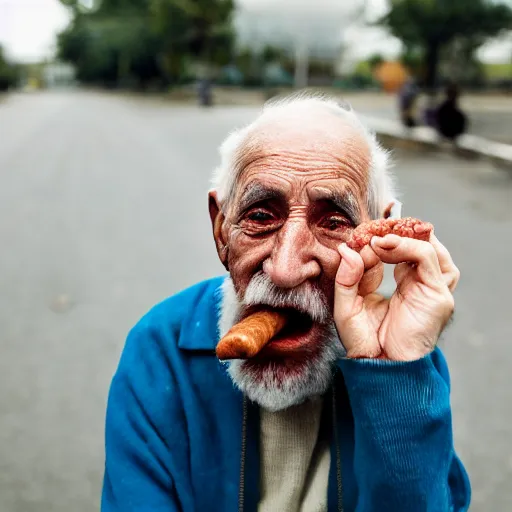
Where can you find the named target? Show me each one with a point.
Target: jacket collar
(212, 311)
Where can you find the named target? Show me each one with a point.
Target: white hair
(275, 393)
(381, 191)
(270, 390)
(304, 298)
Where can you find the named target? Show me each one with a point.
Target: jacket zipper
(338, 451)
(241, 489)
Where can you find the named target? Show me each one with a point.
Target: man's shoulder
(197, 304)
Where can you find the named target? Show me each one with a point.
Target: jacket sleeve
(139, 467)
(404, 454)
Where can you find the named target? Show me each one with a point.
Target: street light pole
(301, 64)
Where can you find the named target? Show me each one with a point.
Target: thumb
(347, 302)
(349, 315)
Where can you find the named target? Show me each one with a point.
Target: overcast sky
(28, 27)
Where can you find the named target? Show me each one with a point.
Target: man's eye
(334, 223)
(259, 216)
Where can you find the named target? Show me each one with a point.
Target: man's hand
(407, 326)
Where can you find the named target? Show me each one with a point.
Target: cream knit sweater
(294, 460)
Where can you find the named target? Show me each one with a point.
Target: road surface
(103, 213)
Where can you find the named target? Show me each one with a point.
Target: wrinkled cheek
(330, 266)
(328, 290)
(245, 258)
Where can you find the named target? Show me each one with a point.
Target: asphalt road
(103, 213)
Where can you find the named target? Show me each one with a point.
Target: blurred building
(325, 29)
(58, 75)
(303, 29)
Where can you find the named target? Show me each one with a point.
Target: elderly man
(348, 408)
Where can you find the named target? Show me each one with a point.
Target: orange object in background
(392, 76)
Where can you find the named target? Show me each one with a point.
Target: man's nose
(292, 260)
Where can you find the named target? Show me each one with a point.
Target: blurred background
(111, 112)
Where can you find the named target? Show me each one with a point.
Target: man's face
(300, 194)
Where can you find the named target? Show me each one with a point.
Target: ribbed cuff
(403, 433)
(390, 393)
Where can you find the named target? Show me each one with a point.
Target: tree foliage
(8, 73)
(125, 42)
(375, 60)
(431, 25)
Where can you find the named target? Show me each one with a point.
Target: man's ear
(218, 218)
(393, 210)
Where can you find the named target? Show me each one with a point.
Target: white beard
(268, 391)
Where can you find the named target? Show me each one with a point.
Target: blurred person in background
(350, 408)
(451, 122)
(204, 89)
(407, 99)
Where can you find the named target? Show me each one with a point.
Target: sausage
(407, 227)
(248, 337)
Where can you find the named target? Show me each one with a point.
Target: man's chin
(292, 368)
(281, 382)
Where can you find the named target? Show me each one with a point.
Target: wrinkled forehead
(302, 150)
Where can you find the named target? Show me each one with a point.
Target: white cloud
(497, 50)
(28, 27)
(321, 22)
(328, 23)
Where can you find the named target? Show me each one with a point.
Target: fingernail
(342, 247)
(387, 242)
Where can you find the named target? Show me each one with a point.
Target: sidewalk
(394, 134)
(377, 111)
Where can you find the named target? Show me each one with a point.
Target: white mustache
(304, 298)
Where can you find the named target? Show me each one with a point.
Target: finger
(347, 301)
(394, 249)
(373, 272)
(370, 259)
(451, 273)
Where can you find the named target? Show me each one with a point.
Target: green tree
(432, 25)
(412, 59)
(272, 53)
(125, 42)
(8, 73)
(375, 60)
(460, 63)
(201, 29)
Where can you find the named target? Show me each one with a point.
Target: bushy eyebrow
(344, 201)
(256, 193)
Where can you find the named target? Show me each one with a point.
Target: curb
(391, 134)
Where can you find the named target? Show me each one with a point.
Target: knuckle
(452, 278)
(427, 252)
(449, 303)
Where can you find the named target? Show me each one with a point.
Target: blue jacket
(180, 437)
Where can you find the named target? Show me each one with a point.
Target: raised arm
(403, 436)
(396, 378)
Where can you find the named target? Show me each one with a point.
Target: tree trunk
(432, 67)
(123, 69)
